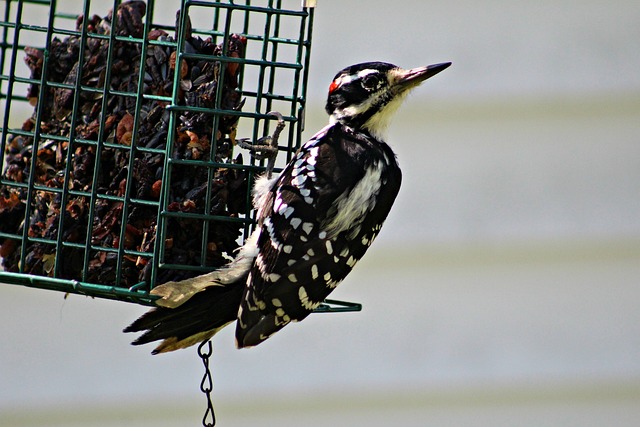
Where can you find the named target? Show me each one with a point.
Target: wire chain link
(206, 385)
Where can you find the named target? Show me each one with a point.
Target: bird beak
(407, 79)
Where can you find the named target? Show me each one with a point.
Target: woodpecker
(315, 221)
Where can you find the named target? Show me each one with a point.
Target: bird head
(365, 96)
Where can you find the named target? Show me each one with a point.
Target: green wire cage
(120, 168)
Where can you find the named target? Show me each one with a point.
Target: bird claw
(267, 146)
(260, 151)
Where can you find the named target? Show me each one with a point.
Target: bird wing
(304, 243)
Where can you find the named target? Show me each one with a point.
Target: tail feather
(194, 321)
(193, 310)
(174, 294)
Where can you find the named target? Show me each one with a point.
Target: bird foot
(267, 146)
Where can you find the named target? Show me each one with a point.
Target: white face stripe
(366, 72)
(354, 110)
(348, 78)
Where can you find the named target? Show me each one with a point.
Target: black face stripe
(373, 82)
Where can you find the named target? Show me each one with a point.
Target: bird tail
(193, 310)
(194, 321)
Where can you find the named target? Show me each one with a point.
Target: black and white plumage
(315, 222)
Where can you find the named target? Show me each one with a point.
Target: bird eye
(371, 82)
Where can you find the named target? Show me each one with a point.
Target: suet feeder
(120, 164)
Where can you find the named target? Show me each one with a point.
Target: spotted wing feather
(312, 233)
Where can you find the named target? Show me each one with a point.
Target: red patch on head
(333, 86)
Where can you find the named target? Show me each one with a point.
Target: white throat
(378, 124)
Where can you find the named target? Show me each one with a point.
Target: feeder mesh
(119, 168)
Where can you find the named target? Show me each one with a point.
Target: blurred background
(503, 290)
